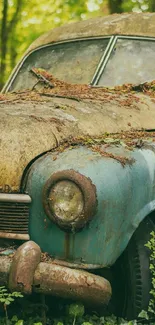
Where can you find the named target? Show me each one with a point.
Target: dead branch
(41, 79)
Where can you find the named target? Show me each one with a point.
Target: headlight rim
(88, 190)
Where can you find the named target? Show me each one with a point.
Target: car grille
(14, 215)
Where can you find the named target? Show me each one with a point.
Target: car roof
(136, 24)
(133, 24)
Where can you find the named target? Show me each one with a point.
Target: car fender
(125, 196)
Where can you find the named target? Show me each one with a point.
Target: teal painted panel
(125, 196)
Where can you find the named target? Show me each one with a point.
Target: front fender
(125, 195)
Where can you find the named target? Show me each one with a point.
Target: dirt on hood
(53, 87)
(58, 115)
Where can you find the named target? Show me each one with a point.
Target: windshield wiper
(41, 79)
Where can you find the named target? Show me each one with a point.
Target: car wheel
(131, 275)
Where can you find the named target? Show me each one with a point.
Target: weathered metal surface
(88, 197)
(10, 235)
(123, 202)
(14, 216)
(29, 129)
(62, 281)
(5, 264)
(25, 262)
(72, 265)
(17, 198)
(126, 24)
(70, 283)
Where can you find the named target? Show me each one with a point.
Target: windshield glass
(73, 62)
(131, 61)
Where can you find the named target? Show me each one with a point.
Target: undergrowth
(73, 314)
(151, 246)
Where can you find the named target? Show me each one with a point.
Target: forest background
(22, 21)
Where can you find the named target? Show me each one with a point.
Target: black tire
(131, 275)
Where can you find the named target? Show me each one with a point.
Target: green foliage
(76, 310)
(151, 246)
(7, 298)
(15, 321)
(75, 313)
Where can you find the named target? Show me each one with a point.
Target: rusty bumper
(24, 272)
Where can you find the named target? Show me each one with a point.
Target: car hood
(30, 128)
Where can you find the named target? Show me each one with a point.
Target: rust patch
(25, 261)
(46, 257)
(89, 197)
(64, 282)
(121, 159)
(71, 283)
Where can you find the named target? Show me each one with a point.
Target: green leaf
(20, 322)
(143, 314)
(10, 299)
(17, 294)
(76, 310)
(14, 318)
(3, 290)
(7, 302)
(111, 320)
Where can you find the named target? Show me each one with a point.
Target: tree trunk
(7, 29)
(115, 6)
(13, 53)
(152, 5)
(4, 38)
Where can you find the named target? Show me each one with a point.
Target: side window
(131, 61)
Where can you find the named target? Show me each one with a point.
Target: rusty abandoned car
(77, 164)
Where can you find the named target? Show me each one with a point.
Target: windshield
(106, 62)
(131, 61)
(73, 62)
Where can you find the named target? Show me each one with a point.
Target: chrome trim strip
(19, 198)
(101, 64)
(106, 55)
(104, 60)
(9, 235)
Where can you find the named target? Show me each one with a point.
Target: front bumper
(25, 272)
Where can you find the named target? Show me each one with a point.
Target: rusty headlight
(69, 199)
